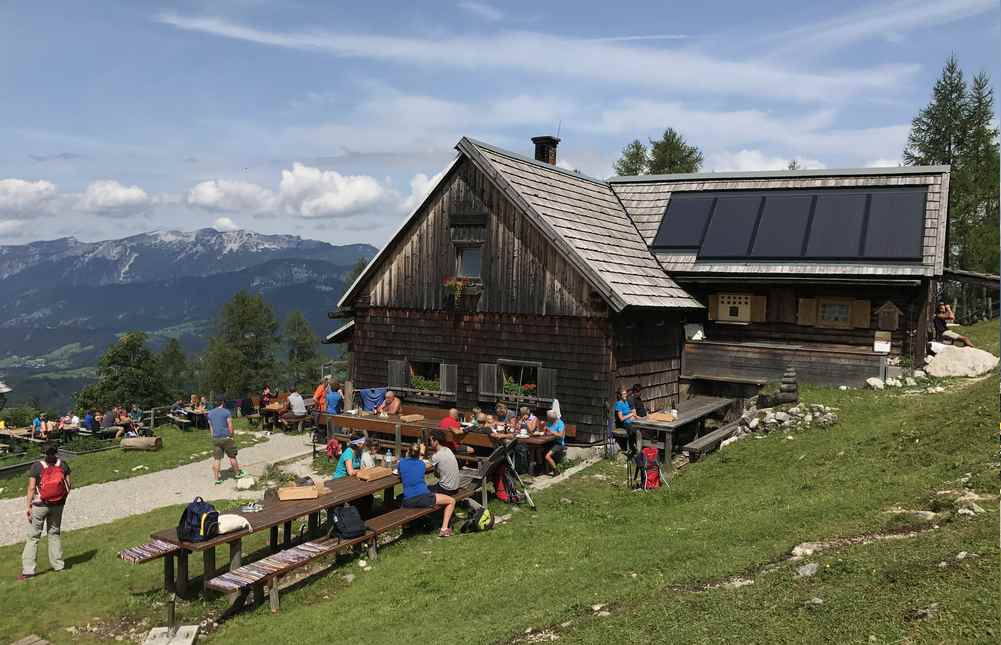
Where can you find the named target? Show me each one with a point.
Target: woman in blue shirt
(416, 493)
(555, 428)
(350, 460)
(624, 415)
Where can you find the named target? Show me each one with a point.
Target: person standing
(221, 422)
(334, 403)
(48, 487)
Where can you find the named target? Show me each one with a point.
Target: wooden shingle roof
(587, 221)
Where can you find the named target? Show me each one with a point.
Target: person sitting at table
(416, 493)
(136, 414)
(526, 420)
(624, 416)
(178, 408)
(445, 464)
(502, 413)
(555, 428)
(108, 420)
(350, 460)
(334, 398)
(450, 421)
(87, 422)
(391, 405)
(297, 405)
(636, 400)
(266, 396)
(194, 402)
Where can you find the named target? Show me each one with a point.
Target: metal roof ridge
(784, 174)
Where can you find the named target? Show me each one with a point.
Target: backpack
(520, 452)
(199, 522)
(480, 520)
(505, 486)
(52, 488)
(647, 468)
(333, 449)
(347, 523)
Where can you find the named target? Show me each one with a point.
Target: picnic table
(199, 417)
(275, 514)
(664, 427)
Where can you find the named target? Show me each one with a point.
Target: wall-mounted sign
(881, 342)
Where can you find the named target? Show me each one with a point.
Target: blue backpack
(199, 522)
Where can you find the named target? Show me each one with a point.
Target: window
(425, 376)
(835, 312)
(469, 259)
(423, 379)
(517, 381)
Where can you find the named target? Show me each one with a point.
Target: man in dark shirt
(43, 514)
(636, 400)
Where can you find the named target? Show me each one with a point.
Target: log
(142, 443)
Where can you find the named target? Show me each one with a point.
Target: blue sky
(330, 119)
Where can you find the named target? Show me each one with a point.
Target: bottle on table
(388, 461)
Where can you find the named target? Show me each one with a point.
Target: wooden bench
(254, 419)
(271, 569)
(299, 423)
(711, 441)
(402, 516)
(180, 422)
(153, 551)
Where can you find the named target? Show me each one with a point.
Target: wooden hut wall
(782, 304)
(647, 351)
(521, 271)
(577, 348)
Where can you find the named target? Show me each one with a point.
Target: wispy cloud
(625, 39)
(482, 10)
(884, 20)
(549, 55)
(59, 156)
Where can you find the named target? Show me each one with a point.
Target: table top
(341, 491)
(688, 410)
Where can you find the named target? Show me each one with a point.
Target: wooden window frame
(515, 399)
(832, 324)
(409, 393)
(460, 248)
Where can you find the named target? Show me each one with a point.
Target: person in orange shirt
(320, 396)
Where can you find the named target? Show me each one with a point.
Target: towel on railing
(372, 397)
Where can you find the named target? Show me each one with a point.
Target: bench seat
(710, 441)
(402, 516)
(148, 552)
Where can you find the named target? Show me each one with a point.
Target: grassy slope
(728, 515)
(112, 465)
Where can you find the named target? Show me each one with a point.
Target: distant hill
(63, 301)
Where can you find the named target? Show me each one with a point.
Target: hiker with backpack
(48, 487)
(221, 423)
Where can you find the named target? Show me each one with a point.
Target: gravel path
(103, 503)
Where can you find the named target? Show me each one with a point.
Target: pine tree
(173, 366)
(240, 357)
(634, 160)
(672, 154)
(936, 132)
(793, 165)
(977, 182)
(303, 354)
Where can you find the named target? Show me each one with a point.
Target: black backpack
(479, 520)
(347, 524)
(199, 522)
(520, 458)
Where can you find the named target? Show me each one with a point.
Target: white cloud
(225, 224)
(884, 20)
(420, 186)
(743, 160)
(482, 10)
(560, 57)
(231, 196)
(12, 228)
(883, 163)
(311, 192)
(21, 198)
(113, 199)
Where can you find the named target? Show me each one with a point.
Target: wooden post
(168, 574)
(373, 551)
(287, 530)
(273, 593)
(208, 568)
(235, 554)
(396, 430)
(388, 500)
(273, 542)
(314, 523)
(182, 573)
(258, 594)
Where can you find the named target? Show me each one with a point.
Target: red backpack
(333, 449)
(53, 489)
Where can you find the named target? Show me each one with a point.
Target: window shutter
(861, 314)
(449, 378)
(713, 306)
(547, 383)
(807, 311)
(488, 379)
(398, 374)
(759, 304)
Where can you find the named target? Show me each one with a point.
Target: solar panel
(836, 229)
(684, 221)
(782, 226)
(731, 226)
(896, 224)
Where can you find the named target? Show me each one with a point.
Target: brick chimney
(545, 149)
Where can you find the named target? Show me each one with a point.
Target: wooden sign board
(882, 342)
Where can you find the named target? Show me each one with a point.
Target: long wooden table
(693, 410)
(275, 513)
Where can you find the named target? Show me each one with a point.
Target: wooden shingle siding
(647, 350)
(821, 367)
(575, 348)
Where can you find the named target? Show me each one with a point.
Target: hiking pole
(528, 497)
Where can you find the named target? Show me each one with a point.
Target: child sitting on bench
(416, 493)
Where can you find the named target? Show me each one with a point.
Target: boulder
(753, 423)
(875, 383)
(807, 570)
(781, 417)
(961, 361)
(910, 382)
(245, 483)
(843, 388)
(919, 375)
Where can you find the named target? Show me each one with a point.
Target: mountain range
(63, 301)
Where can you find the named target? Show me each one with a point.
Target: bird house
(888, 316)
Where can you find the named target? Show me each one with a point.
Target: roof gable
(586, 221)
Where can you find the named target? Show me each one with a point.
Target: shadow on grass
(80, 558)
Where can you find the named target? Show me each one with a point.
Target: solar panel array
(836, 224)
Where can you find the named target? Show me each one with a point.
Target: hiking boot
(241, 474)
